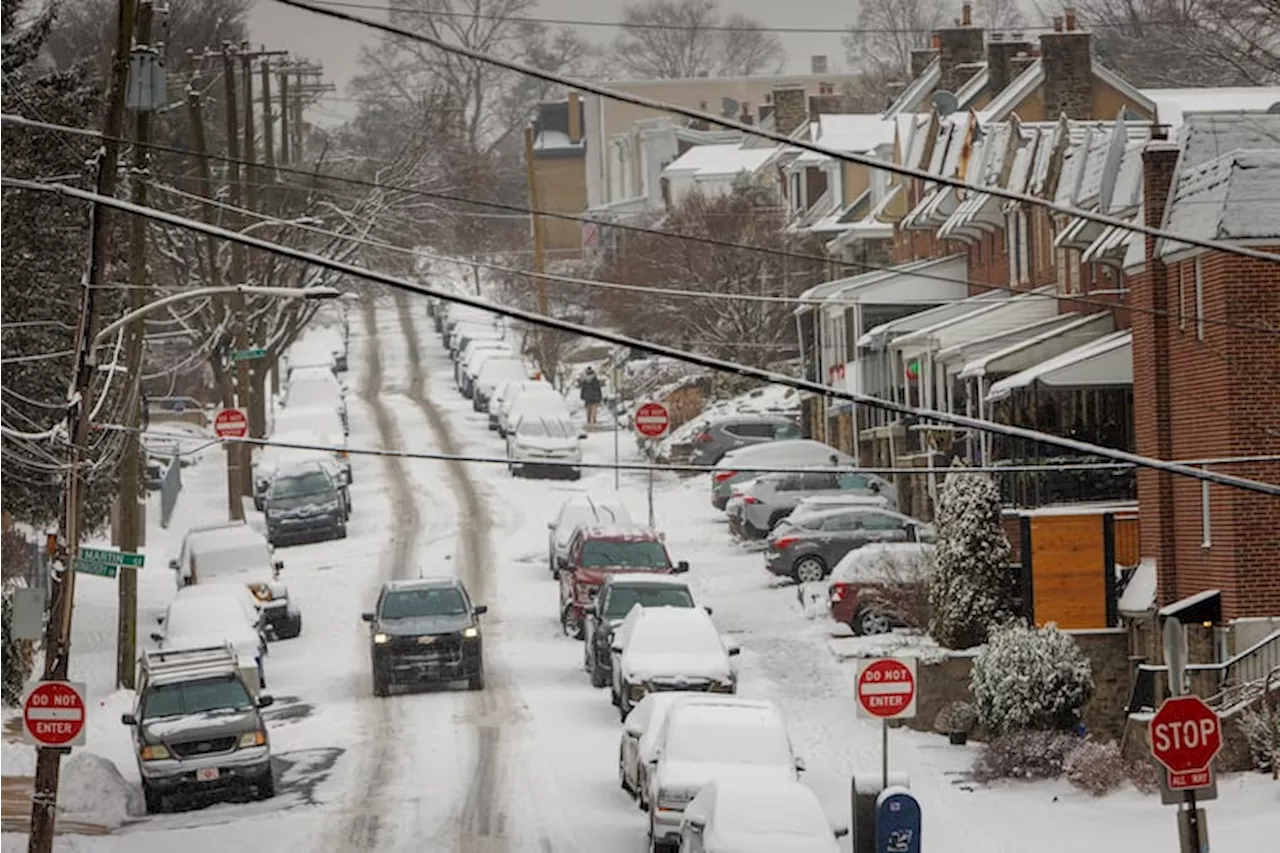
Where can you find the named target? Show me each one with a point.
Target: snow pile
(903, 643)
(1030, 678)
(91, 789)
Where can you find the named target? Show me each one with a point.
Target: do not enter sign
(230, 423)
(652, 420)
(887, 688)
(53, 714)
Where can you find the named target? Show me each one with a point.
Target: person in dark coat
(591, 392)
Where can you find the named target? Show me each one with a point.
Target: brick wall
(1068, 75)
(920, 59)
(959, 46)
(1000, 56)
(790, 108)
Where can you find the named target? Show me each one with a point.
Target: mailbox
(897, 821)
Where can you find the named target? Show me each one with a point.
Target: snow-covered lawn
(530, 763)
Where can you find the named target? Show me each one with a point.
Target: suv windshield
(408, 603)
(195, 697)
(302, 485)
(622, 599)
(544, 429)
(642, 553)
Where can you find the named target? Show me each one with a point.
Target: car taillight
(721, 476)
(839, 592)
(704, 437)
(749, 499)
(783, 543)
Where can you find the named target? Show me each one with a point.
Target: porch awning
(929, 281)
(959, 354)
(879, 337)
(983, 323)
(1071, 333)
(1105, 362)
(1110, 247)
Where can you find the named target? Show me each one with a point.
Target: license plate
(207, 774)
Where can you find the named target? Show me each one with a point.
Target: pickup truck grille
(210, 746)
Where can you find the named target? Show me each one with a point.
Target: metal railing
(1228, 684)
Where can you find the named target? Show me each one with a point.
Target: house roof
(853, 132)
(985, 321)
(716, 160)
(973, 88)
(1172, 105)
(1235, 197)
(877, 337)
(1033, 76)
(1207, 136)
(910, 99)
(854, 288)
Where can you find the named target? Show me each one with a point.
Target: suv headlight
(257, 738)
(381, 638)
(155, 752)
(471, 633)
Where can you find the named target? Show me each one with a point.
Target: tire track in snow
(361, 826)
(485, 810)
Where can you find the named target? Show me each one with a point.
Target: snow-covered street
(530, 762)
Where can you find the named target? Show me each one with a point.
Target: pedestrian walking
(590, 390)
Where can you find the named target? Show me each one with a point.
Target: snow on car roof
(860, 564)
(424, 583)
(806, 450)
(621, 531)
(644, 579)
(748, 806)
(673, 630)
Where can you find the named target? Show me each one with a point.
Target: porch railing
(1042, 488)
(1227, 683)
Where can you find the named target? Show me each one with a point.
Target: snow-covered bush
(971, 589)
(1261, 726)
(959, 717)
(1024, 755)
(1095, 767)
(1030, 678)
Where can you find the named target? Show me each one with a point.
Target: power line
(704, 361)
(710, 241)
(724, 28)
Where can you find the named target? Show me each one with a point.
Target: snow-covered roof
(621, 531)
(852, 132)
(751, 814)
(717, 160)
(861, 564)
(1103, 362)
(798, 451)
(1033, 76)
(1056, 339)
(913, 97)
(549, 138)
(973, 87)
(985, 320)
(878, 336)
(1207, 136)
(1235, 197)
(1139, 594)
(1173, 104)
(645, 579)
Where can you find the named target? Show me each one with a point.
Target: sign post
(104, 563)
(652, 422)
(886, 691)
(1186, 735)
(53, 714)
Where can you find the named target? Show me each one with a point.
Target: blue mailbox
(897, 821)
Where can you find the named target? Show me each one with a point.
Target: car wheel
(152, 799)
(568, 625)
(476, 682)
(380, 683)
(809, 569)
(292, 628)
(870, 622)
(265, 788)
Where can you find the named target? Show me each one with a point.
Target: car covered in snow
(749, 462)
(425, 630)
(199, 620)
(198, 727)
(617, 596)
(305, 503)
(323, 424)
(579, 510)
(309, 353)
(744, 739)
(601, 550)
(544, 444)
(499, 368)
(732, 815)
(528, 398)
(731, 432)
(274, 460)
(808, 550)
(471, 354)
(882, 586)
(637, 746)
(234, 554)
(770, 498)
(670, 649)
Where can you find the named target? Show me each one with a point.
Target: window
(876, 521)
(787, 483)
(637, 553)
(1200, 298)
(1206, 538)
(411, 603)
(195, 697)
(817, 482)
(750, 430)
(781, 431)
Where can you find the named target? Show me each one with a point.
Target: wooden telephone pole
(539, 252)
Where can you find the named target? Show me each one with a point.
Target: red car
(881, 586)
(595, 552)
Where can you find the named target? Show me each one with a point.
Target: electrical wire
(533, 318)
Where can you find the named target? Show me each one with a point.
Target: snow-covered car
(807, 551)
(811, 505)
(309, 353)
(469, 355)
(732, 815)
(201, 620)
(601, 550)
(744, 738)
(464, 317)
(638, 743)
(532, 396)
(771, 497)
(580, 510)
(544, 444)
(498, 368)
(749, 462)
(671, 648)
(871, 586)
(305, 503)
(315, 387)
(617, 596)
(272, 460)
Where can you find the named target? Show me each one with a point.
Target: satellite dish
(945, 102)
(1274, 109)
(729, 108)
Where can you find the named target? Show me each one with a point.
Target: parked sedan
(732, 815)
(748, 462)
(771, 497)
(672, 649)
(734, 431)
(544, 444)
(807, 553)
(639, 740)
(617, 596)
(879, 587)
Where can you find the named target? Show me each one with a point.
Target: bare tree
(886, 31)
(998, 14)
(749, 330)
(674, 39)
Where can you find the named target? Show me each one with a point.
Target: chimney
(1001, 53)
(790, 109)
(746, 117)
(966, 15)
(1057, 24)
(1070, 19)
(920, 59)
(818, 65)
(1020, 63)
(575, 118)
(1068, 72)
(963, 45)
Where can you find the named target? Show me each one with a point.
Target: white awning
(961, 353)
(928, 281)
(984, 322)
(1105, 362)
(878, 337)
(1073, 332)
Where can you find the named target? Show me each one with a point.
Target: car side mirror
(266, 700)
(710, 612)
(840, 831)
(734, 651)
(480, 609)
(157, 636)
(682, 567)
(696, 821)
(800, 766)
(129, 719)
(173, 564)
(368, 617)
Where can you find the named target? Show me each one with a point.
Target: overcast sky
(336, 44)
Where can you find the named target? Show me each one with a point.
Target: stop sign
(887, 688)
(53, 714)
(652, 420)
(230, 423)
(1185, 734)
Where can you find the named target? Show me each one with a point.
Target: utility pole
(237, 453)
(284, 117)
(131, 462)
(268, 129)
(195, 109)
(539, 259)
(57, 640)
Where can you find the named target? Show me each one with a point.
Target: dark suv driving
(425, 630)
(616, 598)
